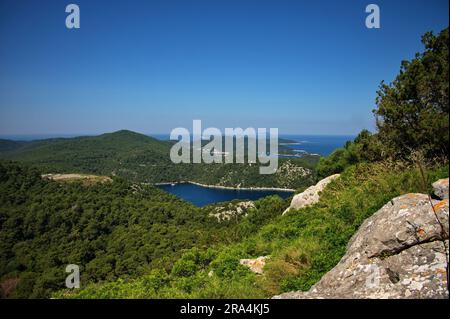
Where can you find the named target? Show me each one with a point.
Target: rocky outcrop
(441, 188)
(311, 195)
(86, 179)
(399, 252)
(232, 210)
(255, 265)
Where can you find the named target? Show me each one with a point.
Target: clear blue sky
(150, 66)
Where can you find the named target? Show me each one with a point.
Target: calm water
(201, 196)
(317, 144)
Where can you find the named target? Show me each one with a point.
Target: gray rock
(399, 252)
(232, 211)
(441, 188)
(255, 265)
(311, 195)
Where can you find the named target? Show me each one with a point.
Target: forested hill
(8, 145)
(96, 154)
(140, 158)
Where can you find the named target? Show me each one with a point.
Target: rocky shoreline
(229, 187)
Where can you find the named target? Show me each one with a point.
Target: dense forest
(115, 229)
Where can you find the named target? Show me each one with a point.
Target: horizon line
(71, 135)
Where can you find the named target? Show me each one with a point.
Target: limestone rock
(399, 252)
(232, 210)
(311, 195)
(441, 188)
(255, 265)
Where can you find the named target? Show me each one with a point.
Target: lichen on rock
(399, 252)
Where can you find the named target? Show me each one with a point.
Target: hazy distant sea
(317, 144)
(313, 144)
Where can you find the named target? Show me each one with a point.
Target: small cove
(202, 195)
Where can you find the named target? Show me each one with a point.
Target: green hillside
(8, 145)
(115, 229)
(95, 154)
(140, 158)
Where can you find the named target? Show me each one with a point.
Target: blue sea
(316, 144)
(322, 145)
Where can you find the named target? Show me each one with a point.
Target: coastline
(288, 190)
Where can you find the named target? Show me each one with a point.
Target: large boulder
(441, 188)
(399, 252)
(311, 195)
